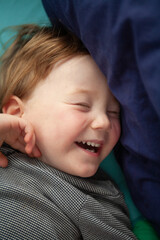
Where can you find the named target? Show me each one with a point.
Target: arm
(19, 134)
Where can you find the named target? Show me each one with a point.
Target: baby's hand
(19, 134)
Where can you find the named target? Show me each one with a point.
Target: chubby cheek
(113, 137)
(116, 130)
(71, 124)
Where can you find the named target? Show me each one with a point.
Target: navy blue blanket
(123, 36)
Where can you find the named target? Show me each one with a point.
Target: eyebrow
(80, 91)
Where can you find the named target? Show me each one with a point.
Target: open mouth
(90, 146)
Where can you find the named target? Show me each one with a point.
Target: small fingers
(29, 139)
(3, 161)
(36, 152)
(30, 143)
(27, 130)
(32, 151)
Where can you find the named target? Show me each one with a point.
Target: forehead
(78, 71)
(78, 75)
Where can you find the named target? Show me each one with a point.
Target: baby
(58, 104)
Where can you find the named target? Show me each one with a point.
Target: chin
(86, 173)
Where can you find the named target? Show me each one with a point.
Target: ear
(14, 106)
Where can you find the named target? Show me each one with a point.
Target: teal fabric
(111, 166)
(15, 12)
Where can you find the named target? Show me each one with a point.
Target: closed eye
(82, 106)
(114, 114)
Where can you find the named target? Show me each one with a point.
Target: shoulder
(33, 201)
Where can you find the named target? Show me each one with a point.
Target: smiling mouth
(89, 146)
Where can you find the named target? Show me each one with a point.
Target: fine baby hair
(31, 57)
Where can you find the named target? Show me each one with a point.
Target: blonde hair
(32, 56)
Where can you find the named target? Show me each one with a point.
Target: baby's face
(75, 117)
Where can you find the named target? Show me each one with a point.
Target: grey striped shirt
(41, 203)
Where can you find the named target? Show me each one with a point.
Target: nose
(101, 122)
